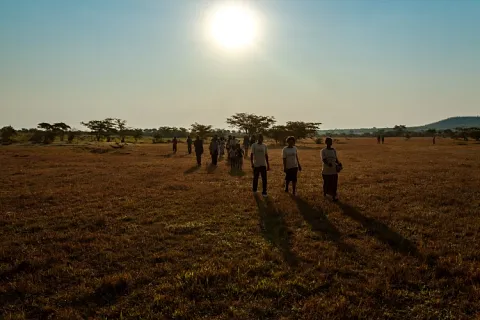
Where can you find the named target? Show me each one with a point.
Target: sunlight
(233, 27)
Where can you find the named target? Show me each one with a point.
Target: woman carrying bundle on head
(330, 170)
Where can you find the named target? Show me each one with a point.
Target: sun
(233, 27)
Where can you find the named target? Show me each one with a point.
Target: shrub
(319, 141)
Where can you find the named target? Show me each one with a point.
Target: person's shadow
(192, 169)
(274, 229)
(381, 231)
(320, 224)
(237, 172)
(211, 168)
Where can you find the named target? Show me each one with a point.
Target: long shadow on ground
(320, 224)
(211, 168)
(381, 231)
(274, 229)
(237, 173)
(192, 169)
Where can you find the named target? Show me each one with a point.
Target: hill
(452, 123)
(449, 123)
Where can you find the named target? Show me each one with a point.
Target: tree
(137, 134)
(48, 135)
(202, 130)
(431, 132)
(45, 126)
(101, 128)
(121, 127)
(250, 123)
(279, 134)
(400, 130)
(7, 133)
(59, 129)
(302, 130)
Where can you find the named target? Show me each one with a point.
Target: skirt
(330, 184)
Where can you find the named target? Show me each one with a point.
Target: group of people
(260, 164)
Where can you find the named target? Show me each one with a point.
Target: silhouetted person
(260, 164)
(383, 139)
(252, 140)
(189, 145)
(378, 139)
(331, 167)
(174, 142)
(246, 144)
(434, 138)
(198, 144)
(227, 145)
(214, 149)
(291, 165)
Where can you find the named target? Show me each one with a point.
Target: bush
(319, 141)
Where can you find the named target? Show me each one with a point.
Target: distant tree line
(242, 124)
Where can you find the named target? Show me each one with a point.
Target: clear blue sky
(344, 63)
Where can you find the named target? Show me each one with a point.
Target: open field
(87, 231)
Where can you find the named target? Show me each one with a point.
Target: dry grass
(137, 233)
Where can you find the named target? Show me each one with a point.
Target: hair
(291, 138)
(260, 136)
(328, 139)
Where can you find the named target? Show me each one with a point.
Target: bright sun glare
(233, 27)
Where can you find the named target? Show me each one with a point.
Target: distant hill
(452, 123)
(449, 123)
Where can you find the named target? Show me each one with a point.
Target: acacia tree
(201, 130)
(101, 128)
(7, 133)
(303, 130)
(137, 134)
(400, 130)
(59, 129)
(48, 134)
(278, 133)
(121, 127)
(250, 123)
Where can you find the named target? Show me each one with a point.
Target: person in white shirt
(260, 164)
(331, 167)
(291, 165)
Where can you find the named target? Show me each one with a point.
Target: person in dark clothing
(252, 140)
(174, 142)
(214, 149)
(246, 144)
(378, 139)
(331, 167)
(383, 139)
(260, 164)
(198, 144)
(189, 145)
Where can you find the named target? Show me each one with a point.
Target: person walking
(260, 164)
(189, 145)
(291, 164)
(174, 143)
(246, 144)
(383, 139)
(331, 167)
(222, 146)
(214, 148)
(198, 145)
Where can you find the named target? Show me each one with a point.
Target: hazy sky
(344, 63)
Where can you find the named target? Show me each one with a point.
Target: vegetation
(251, 124)
(7, 133)
(167, 240)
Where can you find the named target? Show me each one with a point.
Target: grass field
(88, 231)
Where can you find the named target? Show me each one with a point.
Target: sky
(345, 63)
